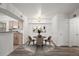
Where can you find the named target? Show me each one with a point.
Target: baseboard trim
(68, 46)
(75, 46)
(63, 46)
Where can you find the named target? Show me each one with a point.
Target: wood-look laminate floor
(47, 50)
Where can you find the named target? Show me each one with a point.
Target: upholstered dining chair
(30, 40)
(50, 41)
(39, 40)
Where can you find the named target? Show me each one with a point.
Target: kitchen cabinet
(15, 25)
(18, 37)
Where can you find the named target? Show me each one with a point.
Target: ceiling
(4, 18)
(46, 9)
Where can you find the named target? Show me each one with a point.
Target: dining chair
(50, 41)
(39, 41)
(30, 40)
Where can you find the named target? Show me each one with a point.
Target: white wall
(60, 30)
(63, 30)
(74, 31)
(25, 30)
(54, 30)
(6, 43)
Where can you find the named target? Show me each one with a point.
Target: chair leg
(49, 43)
(29, 43)
(45, 42)
(33, 42)
(54, 44)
